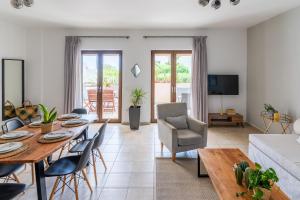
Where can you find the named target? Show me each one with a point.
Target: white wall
(227, 51)
(274, 67)
(12, 45)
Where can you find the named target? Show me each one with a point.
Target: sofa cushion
(178, 122)
(187, 137)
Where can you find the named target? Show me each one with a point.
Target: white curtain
(199, 79)
(72, 74)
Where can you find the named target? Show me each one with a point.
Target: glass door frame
(99, 104)
(173, 54)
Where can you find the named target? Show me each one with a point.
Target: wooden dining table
(37, 152)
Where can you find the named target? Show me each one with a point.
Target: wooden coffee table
(219, 166)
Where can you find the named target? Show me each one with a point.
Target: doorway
(170, 78)
(102, 84)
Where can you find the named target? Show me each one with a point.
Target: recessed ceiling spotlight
(18, 4)
(234, 2)
(28, 3)
(204, 2)
(216, 4)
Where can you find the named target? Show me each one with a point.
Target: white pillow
(178, 122)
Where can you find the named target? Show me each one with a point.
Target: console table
(225, 119)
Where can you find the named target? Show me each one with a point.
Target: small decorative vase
(276, 117)
(46, 128)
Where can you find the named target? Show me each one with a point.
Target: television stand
(225, 119)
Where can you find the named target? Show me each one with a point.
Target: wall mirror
(12, 86)
(135, 70)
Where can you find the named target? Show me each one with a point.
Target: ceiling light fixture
(204, 2)
(18, 4)
(216, 4)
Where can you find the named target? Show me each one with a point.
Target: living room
(171, 54)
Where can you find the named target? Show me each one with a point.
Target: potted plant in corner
(137, 96)
(48, 119)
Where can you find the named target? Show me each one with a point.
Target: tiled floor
(130, 157)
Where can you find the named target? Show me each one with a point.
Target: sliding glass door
(102, 83)
(170, 78)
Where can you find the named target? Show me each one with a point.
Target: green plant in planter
(269, 108)
(48, 116)
(257, 180)
(137, 96)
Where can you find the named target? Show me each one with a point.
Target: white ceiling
(143, 13)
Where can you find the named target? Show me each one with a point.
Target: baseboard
(258, 128)
(141, 123)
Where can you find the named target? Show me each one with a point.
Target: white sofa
(281, 152)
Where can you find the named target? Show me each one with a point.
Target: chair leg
(161, 147)
(94, 166)
(76, 187)
(61, 151)
(54, 188)
(46, 163)
(64, 184)
(102, 158)
(16, 178)
(173, 157)
(87, 180)
(32, 174)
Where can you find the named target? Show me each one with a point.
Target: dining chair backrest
(80, 111)
(92, 95)
(12, 124)
(85, 156)
(100, 137)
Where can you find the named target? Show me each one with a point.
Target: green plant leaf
(48, 116)
(137, 96)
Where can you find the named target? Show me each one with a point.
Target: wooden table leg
(40, 181)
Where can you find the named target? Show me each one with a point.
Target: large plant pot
(46, 128)
(134, 117)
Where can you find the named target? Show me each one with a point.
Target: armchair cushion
(178, 122)
(188, 137)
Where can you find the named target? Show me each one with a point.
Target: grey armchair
(194, 137)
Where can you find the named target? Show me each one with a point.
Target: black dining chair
(81, 136)
(81, 111)
(70, 167)
(10, 190)
(7, 171)
(12, 124)
(96, 153)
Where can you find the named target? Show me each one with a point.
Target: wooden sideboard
(225, 119)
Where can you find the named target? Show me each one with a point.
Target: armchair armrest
(198, 127)
(167, 134)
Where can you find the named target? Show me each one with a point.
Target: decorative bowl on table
(9, 147)
(14, 135)
(69, 116)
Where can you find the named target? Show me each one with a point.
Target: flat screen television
(223, 85)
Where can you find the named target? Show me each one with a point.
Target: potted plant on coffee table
(137, 96)
(48, 119)
(258, 182)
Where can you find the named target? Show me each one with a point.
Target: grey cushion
(187, 137)
(178, 122)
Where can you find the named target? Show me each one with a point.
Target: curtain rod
(103, 36)
(170, 36)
